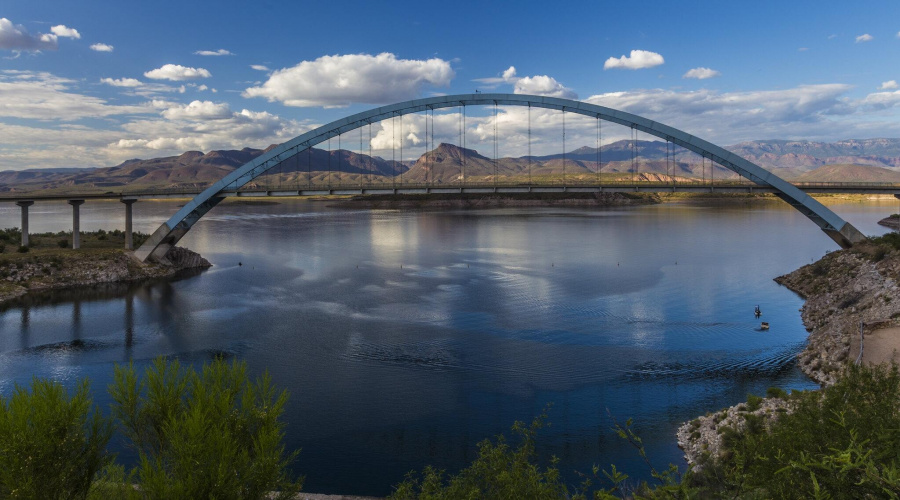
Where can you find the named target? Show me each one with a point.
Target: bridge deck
(471, 188)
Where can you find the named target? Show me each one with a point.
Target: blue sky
(96, 82)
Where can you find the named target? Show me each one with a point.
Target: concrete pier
(76, 224)
(25, 204)
(129, 241)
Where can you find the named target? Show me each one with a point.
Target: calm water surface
(405, 338)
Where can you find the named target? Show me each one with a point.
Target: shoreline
(847, 294)
(25, 275)
(494, 200)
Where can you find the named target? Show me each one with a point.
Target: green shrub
(753, 402)
(213, 434)
(52, 444)
(499, 471)
(63, 243)
(776, 392)
(23, 249)
(844, 438)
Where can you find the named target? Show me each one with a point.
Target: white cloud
(121, 82)
(864, 38)
(16, 37)
(701, 73)
(639, 59)
(205, 125)
(339, 80)
(508, 76)
(802, 49)
(102, 47)
(534, 85)
(64, 32)
(898, 34)
(888, 85)
(176, 72)
(201, 110)
(220, 52)
(43, 96)
(543, 85)
(259, 67)
(806, 111)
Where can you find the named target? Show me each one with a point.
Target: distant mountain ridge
(876, 160)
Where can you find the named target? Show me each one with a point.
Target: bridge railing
(585, 181)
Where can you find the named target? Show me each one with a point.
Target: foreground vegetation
(214, 433)
(207, 434)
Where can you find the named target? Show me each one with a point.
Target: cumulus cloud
(701, 73)
(16, 37)
(63, 31)
(639, 59)
(543, 85)
(200, 110)
(259, 67)
(101, 47)
(864, 38)
(206, 125)
(121, 82)
(220, 52)
(43, 96)
(508, 76)
(534, 85)
(339, 80)
(176, 72)
(810, 111)
(888, 85)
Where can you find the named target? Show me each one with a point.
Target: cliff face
(842, 290)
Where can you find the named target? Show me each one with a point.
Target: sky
(96, 82)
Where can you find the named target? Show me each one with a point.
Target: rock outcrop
(35, 273)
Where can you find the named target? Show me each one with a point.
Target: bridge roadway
(129, 198)
(474, 188)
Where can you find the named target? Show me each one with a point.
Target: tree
(52, 444)
(212, 434)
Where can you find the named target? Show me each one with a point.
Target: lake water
(405, 337)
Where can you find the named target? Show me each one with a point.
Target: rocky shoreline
(843, 290)
(496, 200)
(76, 269)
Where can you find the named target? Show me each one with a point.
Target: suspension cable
(361, 171)
(495, 144)
(600, 147)
(465, 155)
(459, 143)
(598, 150)
(401, 149)
(371, 172)
(329, 162)
(564, 144)
(394, 151)
(529, 144)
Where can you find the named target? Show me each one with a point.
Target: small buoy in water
(240, 264)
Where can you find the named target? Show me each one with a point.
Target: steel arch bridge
(169, 233)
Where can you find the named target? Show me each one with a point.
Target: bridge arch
(170, 232)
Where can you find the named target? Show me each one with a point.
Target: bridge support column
(25, 204)
(129, 241)
(76, 223)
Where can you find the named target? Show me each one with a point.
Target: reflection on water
(404, 338)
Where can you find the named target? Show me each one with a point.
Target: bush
(212, 434)
(23, 249)
(499, 471)
(63, 243)
(844, 438)
(52, 444)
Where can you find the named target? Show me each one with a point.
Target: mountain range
(875, 160)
